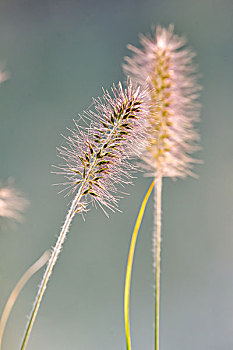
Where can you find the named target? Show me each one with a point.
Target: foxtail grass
(96, 164)
(167, 69)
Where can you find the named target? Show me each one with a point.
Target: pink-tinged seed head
(12, 203)
(3, 74)
(168, 70)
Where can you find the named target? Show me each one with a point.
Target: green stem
(130, 265)
(158, 193)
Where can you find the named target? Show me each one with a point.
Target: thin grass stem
(130, 264)
(158, 194)
(96, 161)
(17, 289)
(50, 266)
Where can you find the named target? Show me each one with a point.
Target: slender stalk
(93, 157)
(158, 193)
(17, 289)
(130, 264)
(50, 266)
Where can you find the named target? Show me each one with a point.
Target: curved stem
(130, 264)
(157, 252)
(50, 266)
(17, 289)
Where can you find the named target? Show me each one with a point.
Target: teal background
(60, 54)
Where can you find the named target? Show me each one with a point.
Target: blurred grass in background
(60, 54)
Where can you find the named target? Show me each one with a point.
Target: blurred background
(59, 55)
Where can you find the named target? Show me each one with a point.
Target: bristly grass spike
(96, 162)
(96, 158)
(166, 66)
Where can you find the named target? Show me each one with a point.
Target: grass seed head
(166, 66)
(96, 159)
(12, 203)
